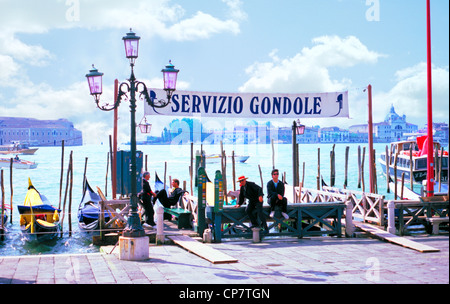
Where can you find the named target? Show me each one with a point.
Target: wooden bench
(303, 221)
(435, 221)
(183, 217)
(422, 212)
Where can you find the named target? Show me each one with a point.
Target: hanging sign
(251, 105)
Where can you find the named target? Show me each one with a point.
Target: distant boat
(89, 211)
(216, 158)
(419, 160)
(39, 221)
(17, 148)
(17, 163)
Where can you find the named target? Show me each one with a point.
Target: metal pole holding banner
(430, 160)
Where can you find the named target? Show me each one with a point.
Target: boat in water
(412, 158)
(17, 163)
(216, 158)
(89, 211)
(39, 220)
(17, 148)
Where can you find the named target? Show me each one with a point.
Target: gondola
(39, 221)
(89, 211)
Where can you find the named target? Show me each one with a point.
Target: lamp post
(127, 91)
(297, 129)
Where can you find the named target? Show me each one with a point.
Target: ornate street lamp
(127, 91)
(170, 79)
(299, 128)
(144, 126)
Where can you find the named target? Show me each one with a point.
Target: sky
(284, 46)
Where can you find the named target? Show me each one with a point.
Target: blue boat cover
(38, 208)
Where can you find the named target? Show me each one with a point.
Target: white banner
(251, 105)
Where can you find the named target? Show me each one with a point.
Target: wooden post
(165, 174)
(101, 219)
(260, 175)
(332, 167)
(359, 167)
(62, 173)
(388, 169)
(347, 148)
(362, 169)
(191, 169)
(403, 185)
(370, 133)
(318, 169)
(273, 155)
(395, 175)
(106, 177)
(84, 174)
(65, 196)
(12, 191)
(411, 165)
(440, 169)
(234, 170)
(70, 195)
(303, 175)
(3, 205)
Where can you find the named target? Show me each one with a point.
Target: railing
(368, 207)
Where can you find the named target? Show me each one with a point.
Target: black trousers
(254, 211)
(274, 201)
(164, 200)
(148, 212)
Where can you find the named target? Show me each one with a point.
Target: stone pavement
(323, 260)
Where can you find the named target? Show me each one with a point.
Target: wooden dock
(202, 250)
(392, 238)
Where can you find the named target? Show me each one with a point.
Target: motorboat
(412, 159)
(216, 158)
(17, 163)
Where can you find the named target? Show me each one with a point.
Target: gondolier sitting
(275, 194)
(169, 200)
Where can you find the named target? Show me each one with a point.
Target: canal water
(46, 178)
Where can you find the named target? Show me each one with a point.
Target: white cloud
(40, 100)
(410, 95)
(308, 71)
(8, 68)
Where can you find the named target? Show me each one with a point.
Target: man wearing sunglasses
(275, 194)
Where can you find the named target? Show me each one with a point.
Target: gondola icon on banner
(339, 100)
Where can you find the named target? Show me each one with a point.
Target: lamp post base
(134, 248)
(134, 227)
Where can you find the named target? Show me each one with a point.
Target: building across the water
(34, 132)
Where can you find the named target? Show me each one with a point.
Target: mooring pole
(370, 131)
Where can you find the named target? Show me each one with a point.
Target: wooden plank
(394, 238)
(202, 250)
